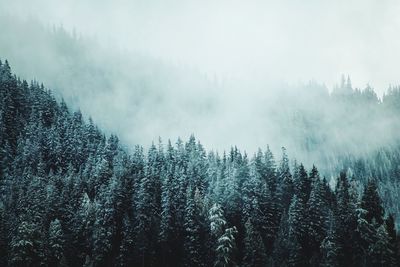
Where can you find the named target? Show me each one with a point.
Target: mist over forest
(142, 98)
(251, 113)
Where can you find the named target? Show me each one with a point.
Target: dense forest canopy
(101, 162)
(70, 196)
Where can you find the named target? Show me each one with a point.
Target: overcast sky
(290, 41)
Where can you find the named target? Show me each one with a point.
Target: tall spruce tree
(372, 203)
(297, 233)
(255, 252)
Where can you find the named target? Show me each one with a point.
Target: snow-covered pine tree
(225, 249)
(255, 252)
(55, 245)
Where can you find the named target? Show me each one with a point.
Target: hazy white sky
(286, 40)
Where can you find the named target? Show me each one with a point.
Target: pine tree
(270, 170)
(393, 245)
(285, 182)
(126, 247)
(147, 208)
(250, 195)
(255, 252)
(217, 223)
(317, 217)
(372, 203)
(297, 233)
(217, 220)
(302, 183)
(226, 248)
(235, 172)
(79, 243)
(55, 243)
(365, 236)
(380, 249)
(329, 247)
(346, 221)
(280, 253)
(3, 236)
(104, 226)
(193, 248)
(26, 246)
(167, 228)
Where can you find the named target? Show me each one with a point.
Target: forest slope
(72, 197)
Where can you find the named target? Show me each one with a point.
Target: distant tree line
(70, 196)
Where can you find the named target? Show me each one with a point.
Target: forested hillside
(70, 196)
(102, 81)
(125, 91)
